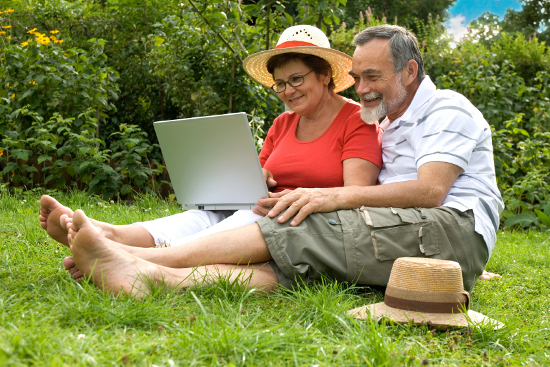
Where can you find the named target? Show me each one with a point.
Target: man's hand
(302, 202)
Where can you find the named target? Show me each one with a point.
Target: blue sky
(464, 11)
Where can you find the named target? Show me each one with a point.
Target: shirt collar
(425, 91)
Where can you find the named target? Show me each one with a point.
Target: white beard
(372, 115)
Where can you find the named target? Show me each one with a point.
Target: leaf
(125, 189)
(159, 41)
(523, 220)
(84, 150)
(545, 219)
(43, 158)
(93, 182)
(547, 209)
(84, 165)
(28, 92)
(21, 154)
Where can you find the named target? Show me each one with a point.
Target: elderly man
(438, 198)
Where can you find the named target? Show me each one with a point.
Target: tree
(534, 17)
(403, 12)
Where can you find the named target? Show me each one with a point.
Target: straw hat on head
(303, 39)
(424, 290)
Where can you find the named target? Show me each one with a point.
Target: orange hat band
(423, 301)
(288, 44)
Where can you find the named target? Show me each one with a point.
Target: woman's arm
(360, 172)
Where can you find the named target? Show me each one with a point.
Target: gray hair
(403, 45)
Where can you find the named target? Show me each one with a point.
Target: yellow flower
(6, 26)
(33, 82)
(24, 44)
(65, 55)
(54, 32)
(32, 31)
(43, 40)
(9, 11)
(13, 96)
(2, 32)
(59, 41)
(1, 152)
(9, 37)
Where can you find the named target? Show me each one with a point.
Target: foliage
(533, 18)
(405, 13)
(130, 150)
(523, 170)
(90, 164)
(503, 79)
(47, 77)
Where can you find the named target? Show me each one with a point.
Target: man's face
(377, 84)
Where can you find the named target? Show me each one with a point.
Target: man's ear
(410, 71)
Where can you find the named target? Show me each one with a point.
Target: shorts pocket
(399, 233)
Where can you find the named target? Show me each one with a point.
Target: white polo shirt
(443, 126)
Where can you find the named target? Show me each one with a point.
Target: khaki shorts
(359, 246)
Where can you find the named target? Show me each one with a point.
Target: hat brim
(256, 65)
(437, 320)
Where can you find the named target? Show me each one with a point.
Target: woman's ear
(325, 78)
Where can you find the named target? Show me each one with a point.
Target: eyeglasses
(294, 81)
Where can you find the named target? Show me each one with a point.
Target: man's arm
(429, 190)
(357, 172)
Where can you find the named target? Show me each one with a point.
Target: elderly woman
(321, 142)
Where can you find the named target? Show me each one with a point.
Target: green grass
(46, 318)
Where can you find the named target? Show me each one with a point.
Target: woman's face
(306, 98)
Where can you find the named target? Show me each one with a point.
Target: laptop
(212, 162)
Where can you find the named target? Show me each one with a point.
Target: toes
(63, 221)
(78, 275)
(68, 262)
(80, 219)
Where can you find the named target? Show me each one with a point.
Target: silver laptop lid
(212, 162)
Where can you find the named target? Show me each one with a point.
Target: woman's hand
(269, 180)
(302, 202)
(265, 205)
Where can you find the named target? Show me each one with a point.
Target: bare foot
(68, 261)
(53, 217)
(488, 276)
(110, 268)
(69, 265)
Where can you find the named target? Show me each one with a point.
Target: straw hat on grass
(426, 291)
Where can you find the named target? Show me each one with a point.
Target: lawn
(46, 318)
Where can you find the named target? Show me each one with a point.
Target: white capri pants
(181, 228)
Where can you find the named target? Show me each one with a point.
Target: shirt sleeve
(448, 134)
(362, 140)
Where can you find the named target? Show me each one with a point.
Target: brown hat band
(427, 301)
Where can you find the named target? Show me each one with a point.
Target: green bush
(45, 77)
(104, 172)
